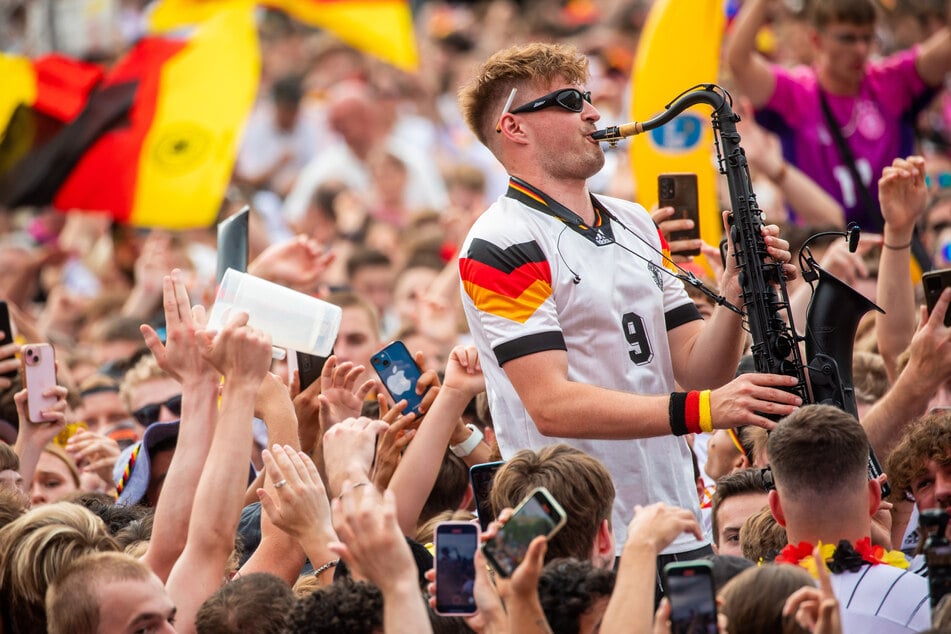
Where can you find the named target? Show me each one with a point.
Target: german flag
(170, 164)
(510, 283)
(46, 122)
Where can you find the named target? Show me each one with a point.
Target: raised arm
(751, 70)
(903, 194)
(653, 528)
(243, 356)
(934, 60)
(416, 475)
(181, 358)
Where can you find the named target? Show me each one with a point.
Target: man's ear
(604, 543)
(741, 462)
(776, 508)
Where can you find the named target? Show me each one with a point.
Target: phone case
(537, 514)
(233, 243)
(39, 374)
(691, 592)
(455, 547)
(6, 327)
(680, 192)
(399, 374)
(481, 477)
(310, 366)
(934, 283)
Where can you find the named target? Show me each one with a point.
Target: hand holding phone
(481, 477)
(934, 283)
(680, 192)
(39, 375)
(399, 374)
(538, 514)
(689, 588)
(456, 544)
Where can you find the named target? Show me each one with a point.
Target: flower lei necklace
(841, 558)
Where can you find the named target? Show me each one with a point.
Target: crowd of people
(189, 478)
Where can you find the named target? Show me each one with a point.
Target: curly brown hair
(535, 65)
(928, 438)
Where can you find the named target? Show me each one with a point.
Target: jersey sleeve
(509, 286)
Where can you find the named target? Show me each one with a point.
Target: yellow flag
(679, 48)
(382, 28)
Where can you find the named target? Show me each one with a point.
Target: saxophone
(834, 310)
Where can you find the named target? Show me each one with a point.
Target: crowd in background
(259, 504)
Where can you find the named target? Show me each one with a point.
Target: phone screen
(309, 366)
(693, 608)
(482, 476)
(456, 543)
(399, 374)
(538, 514)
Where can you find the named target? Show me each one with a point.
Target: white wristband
(467, 446)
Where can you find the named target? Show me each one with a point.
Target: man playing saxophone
(584, 338)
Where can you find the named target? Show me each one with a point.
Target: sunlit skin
(102, 410)
(357, 339)
(844, 52)
(722, 455)
(155, 390)
(131, 606)
(731, 513)
(932, 489)
(52, 480)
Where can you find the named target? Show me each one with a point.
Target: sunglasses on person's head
(571, 99)
(149, 414)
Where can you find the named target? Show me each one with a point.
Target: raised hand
(8, 360)
(391, 443)
(903, 194)
(54, 417)
(662, 218)
(296, 502)
(93, 453)
(348, 451)
(298, 263)
(659, 524)
(464, 371)
(180, 355)
(340, 397)
(238, 351)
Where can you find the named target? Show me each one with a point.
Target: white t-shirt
(882, 600)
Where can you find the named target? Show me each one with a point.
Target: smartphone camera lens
(386, 363)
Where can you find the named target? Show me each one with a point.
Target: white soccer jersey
(882, 599)
(519, 267)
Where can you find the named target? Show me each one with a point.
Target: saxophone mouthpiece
(615, 133)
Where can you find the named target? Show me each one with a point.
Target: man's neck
(827, 533)
(835, 86)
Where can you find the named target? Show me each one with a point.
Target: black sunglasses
(149, 414)
(571, 99)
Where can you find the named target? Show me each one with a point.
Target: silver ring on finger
(280, 483)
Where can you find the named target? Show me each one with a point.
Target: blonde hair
(425, 532)
(761, 536)
(146, 369)
(72, 601)
(33, 550)
(753, 600)
(535, 65)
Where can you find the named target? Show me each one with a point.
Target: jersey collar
(600, 234)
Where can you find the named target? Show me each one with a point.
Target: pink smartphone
(39, 375)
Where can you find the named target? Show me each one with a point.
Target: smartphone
(680, 192)
(481, 477)
(689, 588)
(6, 327)
(456, 544)
(399, 374)
(233, 243)
(935, 282)
(309, 366)
(538, 514)
(39, 374)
